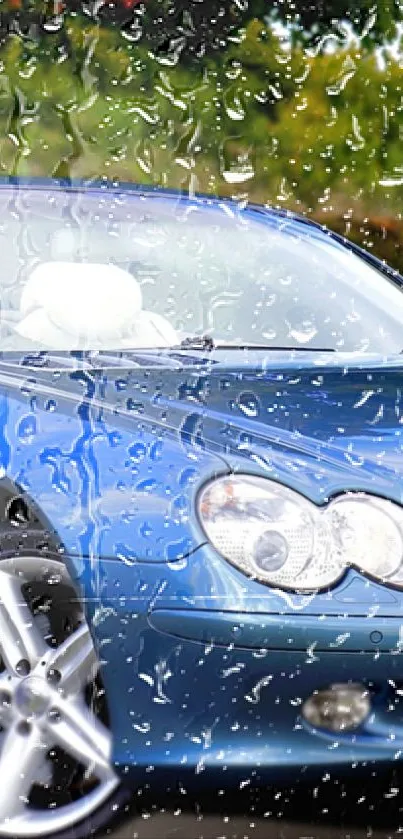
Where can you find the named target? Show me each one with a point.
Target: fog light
(338, 708)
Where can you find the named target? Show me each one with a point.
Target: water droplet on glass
(248, 404)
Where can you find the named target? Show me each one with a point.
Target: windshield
(105, 271)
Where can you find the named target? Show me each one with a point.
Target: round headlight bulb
(270, 551)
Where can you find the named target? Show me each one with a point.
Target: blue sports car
(201, 454)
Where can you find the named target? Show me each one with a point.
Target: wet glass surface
(152, 342)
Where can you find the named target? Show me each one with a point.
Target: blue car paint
(205, 669)
(87, 450)
(204, 714)
(111, 483)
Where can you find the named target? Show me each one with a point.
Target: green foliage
(320, 132)
(375, 21)
(205, 25)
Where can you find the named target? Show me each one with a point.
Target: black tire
(23, 532)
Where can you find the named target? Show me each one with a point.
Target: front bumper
(183, 707)
(214, 697)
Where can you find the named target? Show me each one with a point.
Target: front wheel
(56, 776)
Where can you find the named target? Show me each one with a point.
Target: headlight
(277, 536)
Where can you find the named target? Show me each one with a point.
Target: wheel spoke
(19, 636)
(43, 705)
(6, 713)
(21, 760)
(83, 736)
(75, 659)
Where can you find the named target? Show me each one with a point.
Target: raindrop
(137, 452)
(156, 450)
(248, 404)
(237, 160)
(27, 428)
(135, 407)
(53, 24)
(303, 333)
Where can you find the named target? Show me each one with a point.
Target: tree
(375, 21)
(194, 27)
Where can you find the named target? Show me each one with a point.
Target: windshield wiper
(206, 342)
(197, 342)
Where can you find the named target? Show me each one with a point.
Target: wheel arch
(24, 527)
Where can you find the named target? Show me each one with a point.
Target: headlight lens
(275, 535)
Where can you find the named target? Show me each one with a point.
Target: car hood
(320, 428)
(322, 423)
(114, 449)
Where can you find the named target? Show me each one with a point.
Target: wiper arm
(206, 342)
(197, 342)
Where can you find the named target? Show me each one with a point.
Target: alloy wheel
(55, 744)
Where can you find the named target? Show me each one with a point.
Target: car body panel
(204, 668)
(108, 485)
(203, 712)
(290, 632)
(117, 481)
